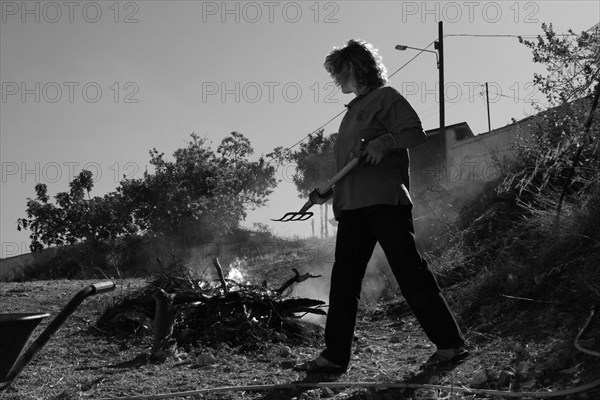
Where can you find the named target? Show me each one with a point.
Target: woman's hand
(318, 198)
(373, 152)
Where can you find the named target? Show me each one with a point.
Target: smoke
(378, 283)
(315, 288)
(437, 211)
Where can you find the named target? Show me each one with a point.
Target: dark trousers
(358, 232)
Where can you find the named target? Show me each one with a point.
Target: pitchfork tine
(303, 215)
(294, 216)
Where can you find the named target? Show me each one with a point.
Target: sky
(97, 84)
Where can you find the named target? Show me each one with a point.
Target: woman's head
(357, 60)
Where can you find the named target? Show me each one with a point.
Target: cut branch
(164, 319)
(296, 279)
(220, 273)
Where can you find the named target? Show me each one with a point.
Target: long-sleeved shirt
(381, 111)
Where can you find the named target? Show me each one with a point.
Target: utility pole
(439, 46)
(487, 97)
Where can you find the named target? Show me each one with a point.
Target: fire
(235, 275)
(235, 270)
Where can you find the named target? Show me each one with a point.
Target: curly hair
(366, 63)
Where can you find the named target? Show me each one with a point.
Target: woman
(372, 204)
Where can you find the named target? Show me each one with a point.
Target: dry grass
(532, 342)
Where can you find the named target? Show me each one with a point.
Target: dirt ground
(79, 363)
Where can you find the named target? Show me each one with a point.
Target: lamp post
(403, 47)
(439, 46)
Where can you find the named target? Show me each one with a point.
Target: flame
(236, 270)
(235, 275)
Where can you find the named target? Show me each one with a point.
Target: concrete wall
(480, 158)
(427, 161)
(463, 158)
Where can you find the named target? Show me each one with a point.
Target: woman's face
(345, 79)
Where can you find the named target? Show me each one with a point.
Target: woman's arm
(377, 148)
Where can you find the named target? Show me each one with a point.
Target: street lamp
(402, 47)
(439, 46)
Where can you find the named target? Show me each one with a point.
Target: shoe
(322, 367)
(446, 357)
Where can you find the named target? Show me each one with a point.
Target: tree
(75, 218)
(563, 154)
(200, 192)
(572, 62)
(314, 165)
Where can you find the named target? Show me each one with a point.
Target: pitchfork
(304, 214)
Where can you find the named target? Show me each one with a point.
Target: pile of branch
(182, 311)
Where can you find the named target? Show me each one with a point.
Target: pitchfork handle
(331, 182)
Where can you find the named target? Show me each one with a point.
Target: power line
(530, 36)
(316, 130)
(515, 97)
(426, 115)
(486, 36)
(409, 61)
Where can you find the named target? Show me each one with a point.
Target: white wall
(479, 159)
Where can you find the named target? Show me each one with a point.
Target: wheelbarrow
(303, 214)
(16, 329)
